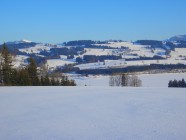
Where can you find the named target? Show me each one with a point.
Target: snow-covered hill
(82, 113)
(36, 49)
(52, 64)
(127, 53)
(19, 42)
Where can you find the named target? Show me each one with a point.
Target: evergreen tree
(170, 83)
(32, 71)
(1, 68)
(53, 82)
(66, 82)
(42, 81)
(6, 66)
(23, 78)
(47, 81)
(183, 84)
(180, 84)
(26, 76)
(57, 83)
(14, 79)
(175, 83)
(72, 83)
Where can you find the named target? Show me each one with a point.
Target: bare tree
(135, 81)
(111, 81)
(118, 81)
(125, 80)
(115, 80)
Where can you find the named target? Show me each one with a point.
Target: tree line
(26, 76)
(158, 67)
(177, 83)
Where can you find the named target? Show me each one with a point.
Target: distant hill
(177, 38)
(152, 43)
(109, 54)
(20, 44)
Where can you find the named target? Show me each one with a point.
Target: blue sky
(56, 21)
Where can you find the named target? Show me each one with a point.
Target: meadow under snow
(148, 80)
(95, 113)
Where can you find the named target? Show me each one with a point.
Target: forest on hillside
(28, 75)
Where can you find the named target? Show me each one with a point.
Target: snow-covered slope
(98, 52)
(83, 113)
(36, 49)
(54, 63)
(139, 50)
(20, 61)
(179, 53)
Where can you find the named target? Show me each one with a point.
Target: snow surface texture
(83, 113)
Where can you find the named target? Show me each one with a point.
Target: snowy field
(160, 80)
(36, 49)
(89, 113)
(148, 80)
(53, 63)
